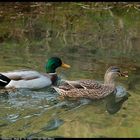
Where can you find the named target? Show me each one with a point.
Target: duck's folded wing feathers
(94, 93)
(100, 92)
(86, 84)
(22, 74)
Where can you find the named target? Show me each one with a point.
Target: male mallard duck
(91, 88)
(32, 79)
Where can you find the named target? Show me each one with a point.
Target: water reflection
(31, 104)
(114, 103)
(134, 82)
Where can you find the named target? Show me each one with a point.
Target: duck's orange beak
(65, 65)
(124, 74)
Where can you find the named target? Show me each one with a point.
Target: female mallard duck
(32, 79)
(91, 88)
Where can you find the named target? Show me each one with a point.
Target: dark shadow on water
(114, 104)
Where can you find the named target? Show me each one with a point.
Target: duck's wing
(22, 74)
(90, 84)
(67, 86)
(100, 92)
(86, 84)
(95, 93)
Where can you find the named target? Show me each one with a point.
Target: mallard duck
(90, 88)
(32, 79)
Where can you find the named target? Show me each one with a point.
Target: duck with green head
(32, 79)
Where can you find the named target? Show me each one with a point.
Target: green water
(90, 39)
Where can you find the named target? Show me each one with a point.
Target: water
(90, 40)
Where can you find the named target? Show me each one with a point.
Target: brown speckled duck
(90, 88)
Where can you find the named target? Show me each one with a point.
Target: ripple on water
(30, 99)
(12, 117)
(53, 124)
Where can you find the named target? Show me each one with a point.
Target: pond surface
(90, 38)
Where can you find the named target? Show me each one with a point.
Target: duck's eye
(53, 64)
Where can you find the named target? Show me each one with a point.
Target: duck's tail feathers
(58, 90)
(4, 80)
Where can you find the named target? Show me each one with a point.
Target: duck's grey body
(27, 79)
(32, 79)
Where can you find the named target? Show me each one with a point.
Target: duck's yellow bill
(124, 74)
(65, 65)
